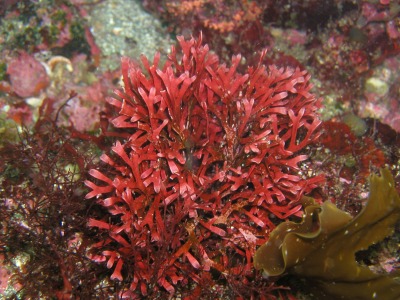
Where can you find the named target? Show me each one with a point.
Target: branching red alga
(207, 156)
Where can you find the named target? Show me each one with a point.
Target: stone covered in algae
(321, 249)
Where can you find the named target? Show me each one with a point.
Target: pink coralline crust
(381, 20)
(27, 76)
(81, 114)
(209, 156)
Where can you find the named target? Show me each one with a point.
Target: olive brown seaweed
(321, 249)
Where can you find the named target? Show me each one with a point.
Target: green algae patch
(321, 249)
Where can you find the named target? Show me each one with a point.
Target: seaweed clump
(43, 232)
(322, 247)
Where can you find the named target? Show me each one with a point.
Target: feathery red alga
(209, 155)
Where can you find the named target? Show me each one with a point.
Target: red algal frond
(210, 155)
